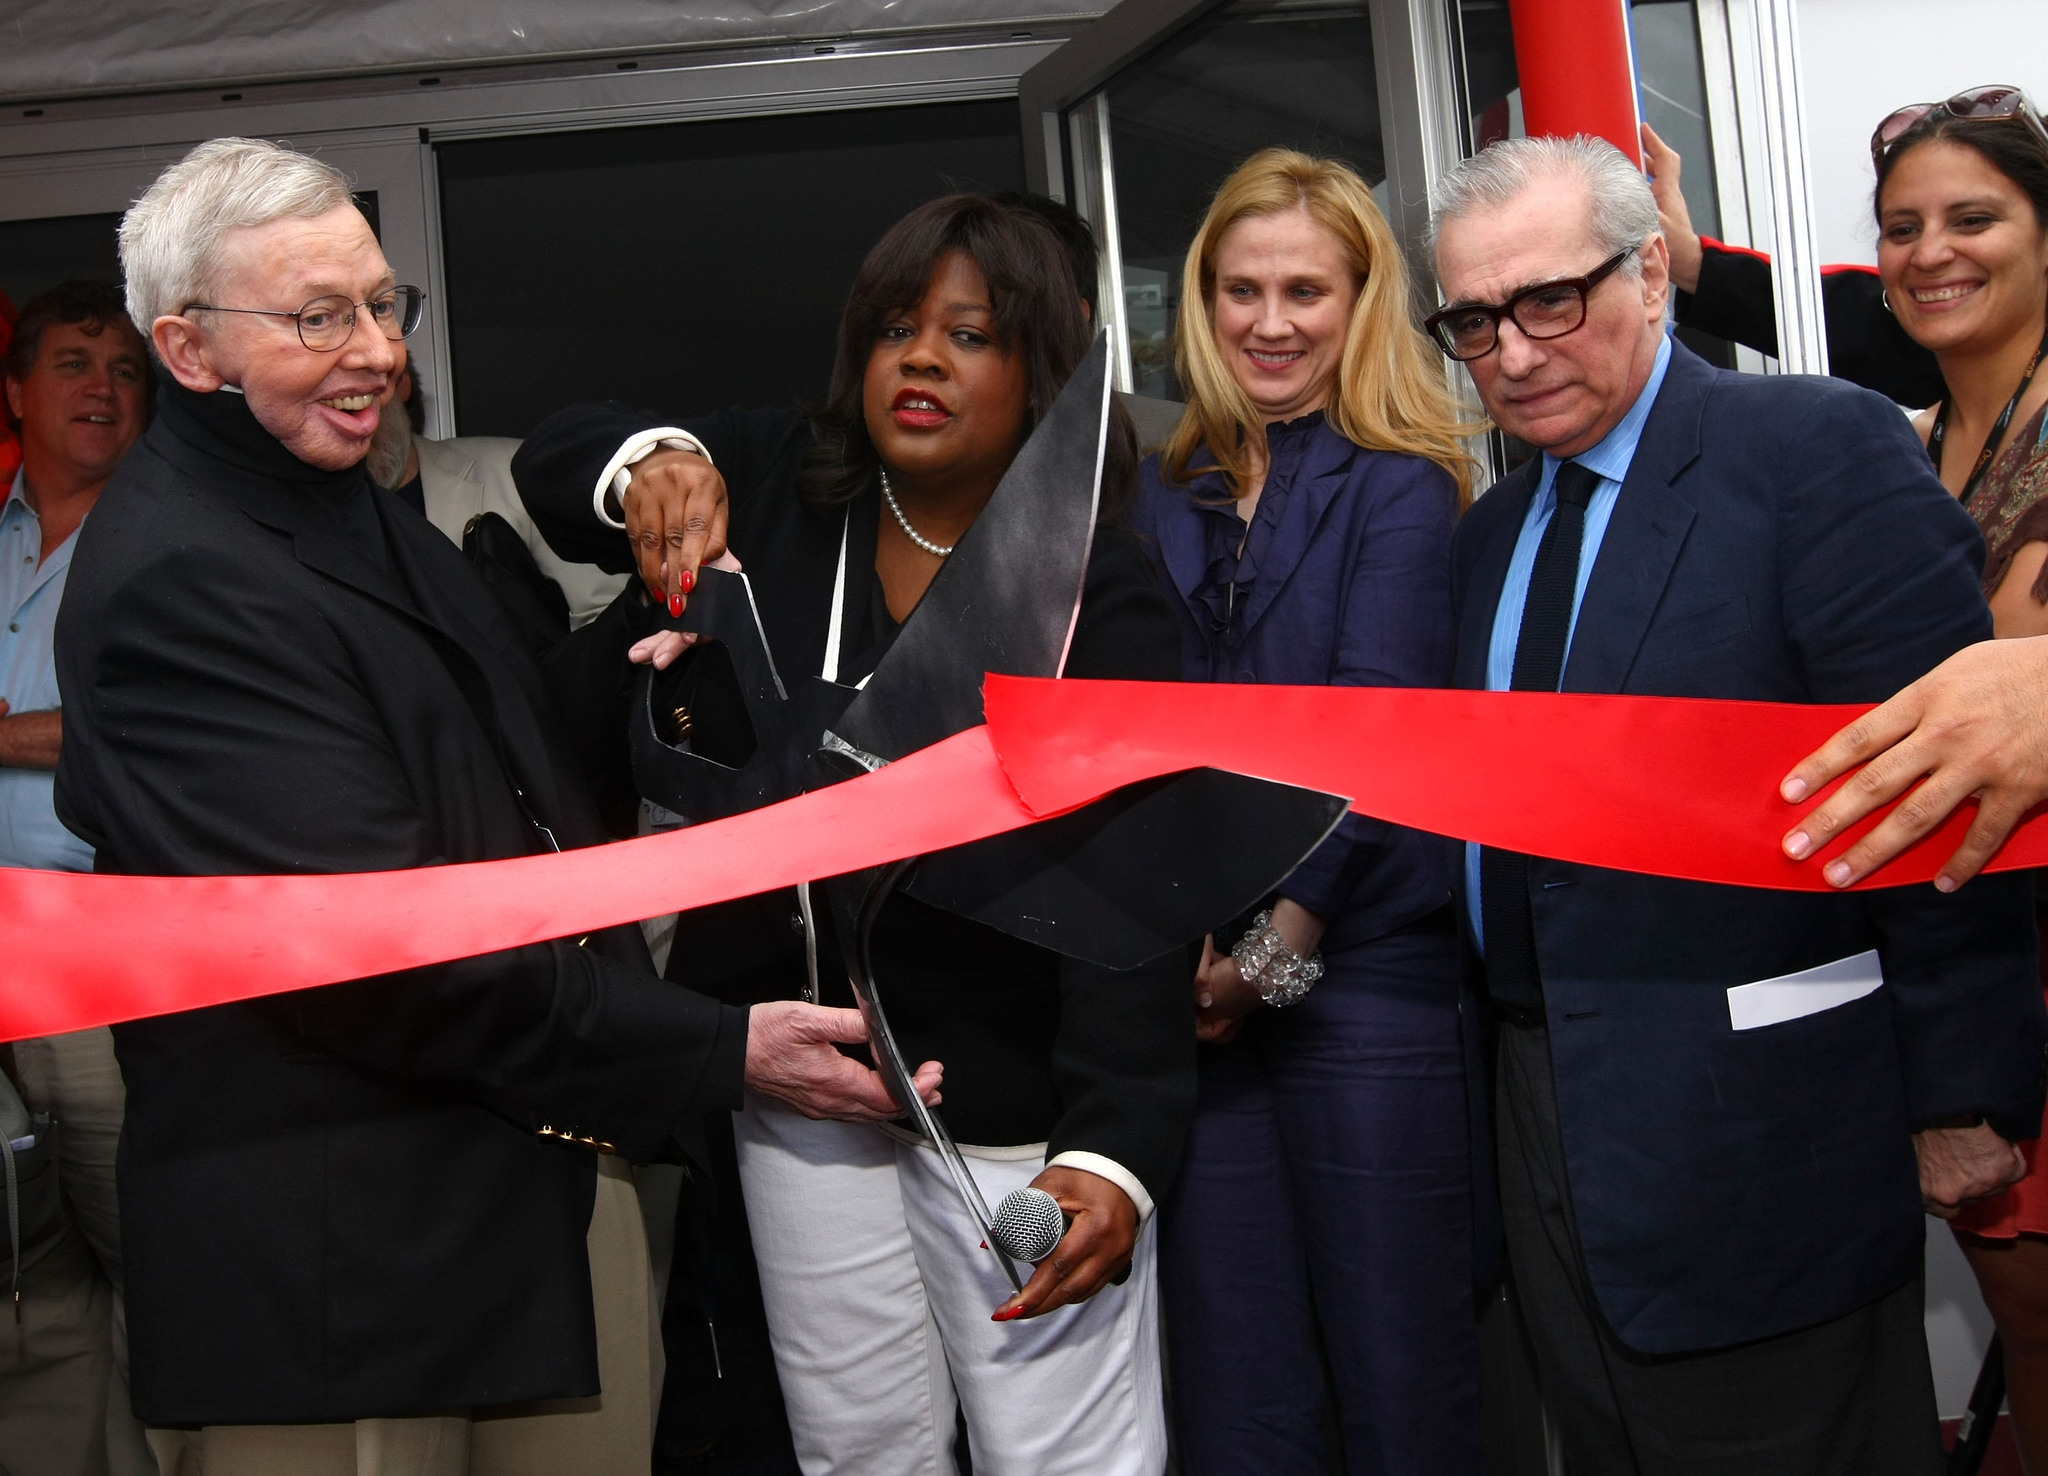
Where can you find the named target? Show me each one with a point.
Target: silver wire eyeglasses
(327, 323)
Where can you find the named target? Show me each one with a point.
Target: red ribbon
(1674, 788)
(1669, 786)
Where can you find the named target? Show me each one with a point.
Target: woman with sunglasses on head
(961, 328)
(1302, 515)
(1962, 215)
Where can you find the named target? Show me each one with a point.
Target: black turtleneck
(221, 428)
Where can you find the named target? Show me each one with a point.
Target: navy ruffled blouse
(1342, 579)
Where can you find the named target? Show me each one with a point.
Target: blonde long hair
(1390, 392)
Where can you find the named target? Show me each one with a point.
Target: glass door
(1137, 120)
(1256, 74)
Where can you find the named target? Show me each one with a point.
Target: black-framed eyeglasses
(1471, 330)
(1995, 102)
(327, 323)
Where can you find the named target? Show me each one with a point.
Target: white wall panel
(1866, 57)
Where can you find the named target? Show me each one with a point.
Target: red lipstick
(919, 409)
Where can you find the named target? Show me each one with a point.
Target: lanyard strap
(1984, 457)
(836, 629)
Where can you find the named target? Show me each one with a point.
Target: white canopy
(63, 48)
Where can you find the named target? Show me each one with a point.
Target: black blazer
(1036, 1048)
(334, 1202)
(1781, 540)
(1866, 345)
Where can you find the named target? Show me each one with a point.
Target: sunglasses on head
(1992, 103)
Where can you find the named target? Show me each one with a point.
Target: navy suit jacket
(1784, 540)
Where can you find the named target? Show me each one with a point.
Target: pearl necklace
(888, 495)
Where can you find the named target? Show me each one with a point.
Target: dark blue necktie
(1511, 972)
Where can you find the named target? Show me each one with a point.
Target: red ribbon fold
(1670, 787)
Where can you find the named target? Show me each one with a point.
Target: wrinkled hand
(791, 1057)
(1673, 218)
(1097, 1246)
(675, 517)
(1222, 997)
(1975, 725)
(1958, 1165)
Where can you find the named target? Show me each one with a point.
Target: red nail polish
(1007, 1314)
(689, 580)
(675, 602)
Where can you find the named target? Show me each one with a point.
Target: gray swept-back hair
(1624, 212)
(170, 238)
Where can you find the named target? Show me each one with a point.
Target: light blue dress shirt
(1610, 458)
(31, 588)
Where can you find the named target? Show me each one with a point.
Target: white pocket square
(1808, 992)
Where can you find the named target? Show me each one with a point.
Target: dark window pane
(35, 254)
(1492, 85)
(1673, 89)
(1259, 74)
(685, 267)
(1671, 85)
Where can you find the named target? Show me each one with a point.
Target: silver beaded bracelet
(1281, 975)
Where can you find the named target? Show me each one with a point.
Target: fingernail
(1007, 1314)
(1797, 844)
(688, 580)
(1794, 790)
(1946, 884)
(675, 601)
(1837, 873)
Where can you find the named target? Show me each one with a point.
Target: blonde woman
(1301, 516)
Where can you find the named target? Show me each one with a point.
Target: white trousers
(878, 1296)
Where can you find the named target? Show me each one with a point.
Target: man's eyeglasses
(1471, 330)
(1996, 102)
(326, 323)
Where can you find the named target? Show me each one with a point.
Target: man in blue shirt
(77, 384)
(1719, 1110)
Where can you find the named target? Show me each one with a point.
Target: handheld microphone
(1027, 1225)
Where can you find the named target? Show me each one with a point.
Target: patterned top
(2011, 504)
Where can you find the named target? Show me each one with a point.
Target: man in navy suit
(1719, 1110)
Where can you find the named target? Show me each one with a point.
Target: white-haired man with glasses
(1711, 1100)
(355, 1217)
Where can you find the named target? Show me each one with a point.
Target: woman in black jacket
(962, 326)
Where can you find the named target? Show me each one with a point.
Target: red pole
(1577, 69)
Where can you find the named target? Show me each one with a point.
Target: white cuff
(617, 475)
(1110, 1169)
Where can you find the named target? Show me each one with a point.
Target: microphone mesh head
(1027, 1225)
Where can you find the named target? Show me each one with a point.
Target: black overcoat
(335, 1203)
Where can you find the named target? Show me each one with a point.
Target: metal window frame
(1085, 66)
(1424, 122)
(97, 155)
(1064, 121)
(1756, 116)
(1094, 196)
